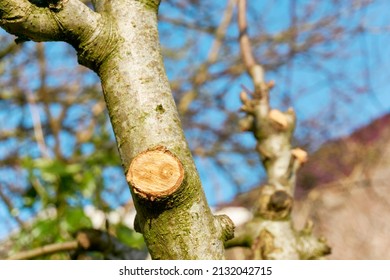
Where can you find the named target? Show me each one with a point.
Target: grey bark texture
(271, 234)
(119, 41)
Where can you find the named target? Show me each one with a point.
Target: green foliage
(75, 219)
(130, 237)
(55, 181)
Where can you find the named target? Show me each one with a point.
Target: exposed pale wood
(300, 154)
(155, 173)
(278, 117)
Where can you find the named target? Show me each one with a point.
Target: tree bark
(119, 41)
(271, 234)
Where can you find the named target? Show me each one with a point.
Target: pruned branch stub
(155, 173)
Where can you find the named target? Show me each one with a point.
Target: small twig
(247, 90)
(246, 49)
(254, 69)
(45, 250)
(221, 32)
(10, 207)
(11, 48)
(87, 240)
(37, 125)
(202, 73)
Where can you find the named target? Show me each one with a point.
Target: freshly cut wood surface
(155, 173)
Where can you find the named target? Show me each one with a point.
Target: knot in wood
(280, 201)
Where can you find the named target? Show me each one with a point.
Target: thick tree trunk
(120, 43)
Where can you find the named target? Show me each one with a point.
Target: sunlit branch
(45, 250)
(202, 73)
(7, 201)
(36, 119)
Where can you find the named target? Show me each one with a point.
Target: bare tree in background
(271, 233)
(63, 157)
(119, 41)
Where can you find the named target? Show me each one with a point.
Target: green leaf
(75, 219)
(130, 237)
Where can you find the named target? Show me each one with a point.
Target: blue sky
(339, 93)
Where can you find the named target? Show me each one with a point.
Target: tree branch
(87, 240)
(7, 201)
(272, 225)
(123, 48)
(254, 69)
(202, 73)
(38, 133)
(7, 50)
(47, 23)
(45, 250)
